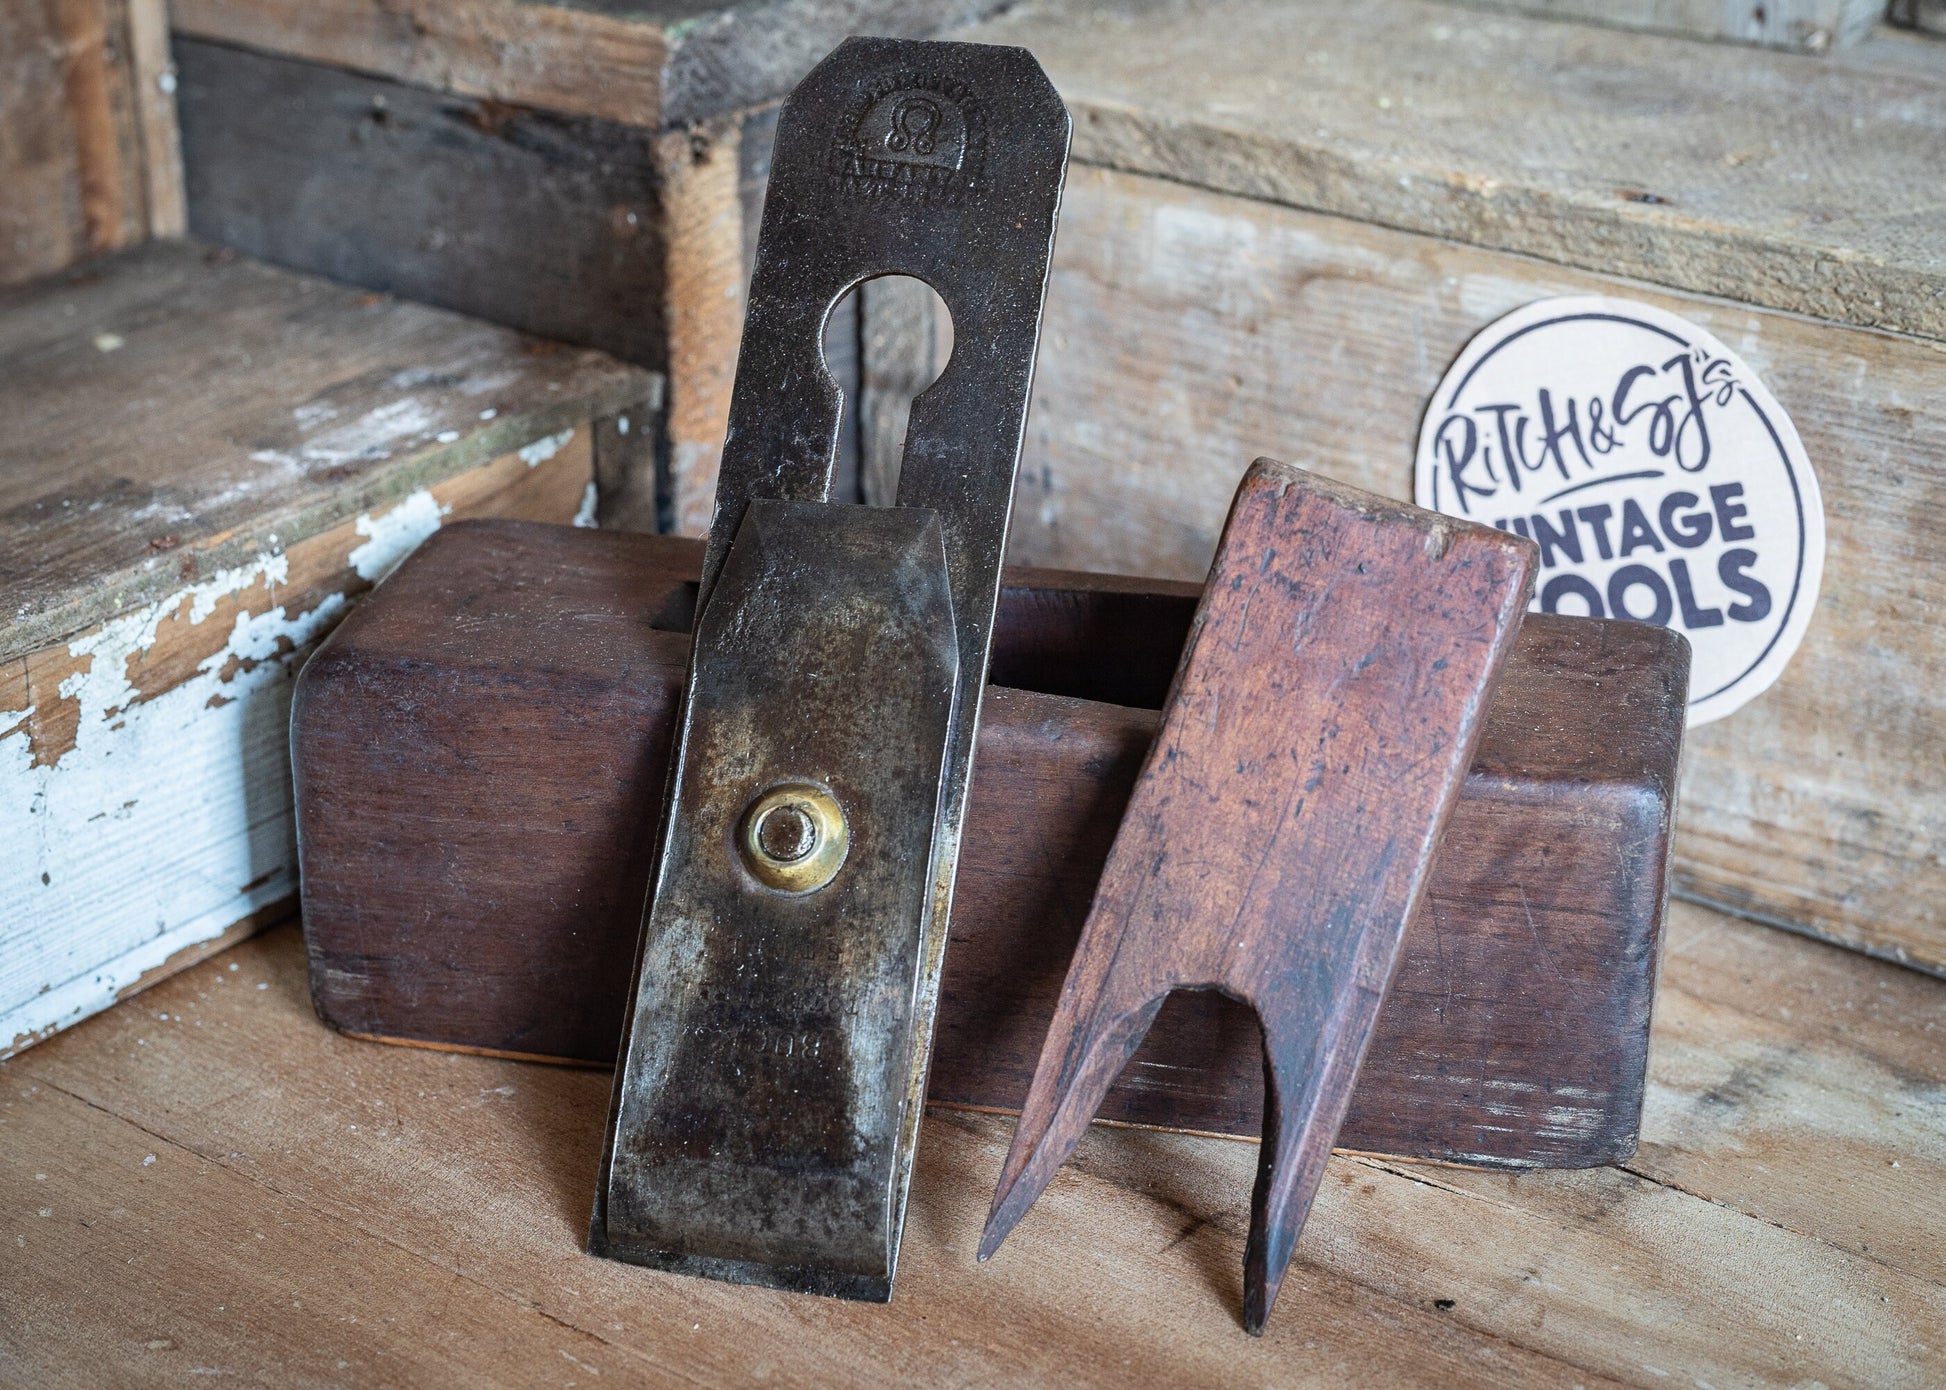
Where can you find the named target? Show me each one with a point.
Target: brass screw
(794, 837)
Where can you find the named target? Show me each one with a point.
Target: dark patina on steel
(772, 1072)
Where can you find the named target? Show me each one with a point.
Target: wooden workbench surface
(205, 1181)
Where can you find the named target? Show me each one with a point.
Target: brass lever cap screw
(794, 837)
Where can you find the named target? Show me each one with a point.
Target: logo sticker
(1659, 477)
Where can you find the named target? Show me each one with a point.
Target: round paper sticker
(1660, 479)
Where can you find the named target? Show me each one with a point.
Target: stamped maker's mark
(911, 135)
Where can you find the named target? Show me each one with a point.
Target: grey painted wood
(547, 223)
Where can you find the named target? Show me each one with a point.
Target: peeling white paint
(541, 450)
(394, 535)
(169, 820)
(372, 436)
(166, 822)
(585, 517)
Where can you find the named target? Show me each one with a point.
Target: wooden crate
(590, 175)
(1280, 227)
(205, 461)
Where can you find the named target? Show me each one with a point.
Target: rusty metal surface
(757, 1131)
(769, 1093)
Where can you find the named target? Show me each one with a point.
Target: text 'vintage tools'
(774, 1064)
(1281, 833)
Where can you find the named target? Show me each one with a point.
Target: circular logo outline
(1807, 496)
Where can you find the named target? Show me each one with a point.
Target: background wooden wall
(88, 151)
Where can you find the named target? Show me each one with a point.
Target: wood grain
(455, 1208)
(264, 1299)
(71, 137)
(1800, 26)
(701, 177)
(1761, 1045)
(572, 227)
(206, 460)
(1749, 174)
(626, 444)
(1176, 90)
(1281, 834)
(1187, 332)
(1919, 16)
(658, 65)
(226, 402)
(552, 224)
(152, 74)
(574, 59)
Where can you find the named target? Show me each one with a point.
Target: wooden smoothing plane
(521, 708)
(479, 780)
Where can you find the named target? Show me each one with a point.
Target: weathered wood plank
(570, 227)
(552, 224)
(205, 461)
(1801, 26)
(483, 1170)
(1801, 1086)
(1920, 16)
(1766, 1282)
(145, 770)
(152, 73)
(1759, 176)
(1642, 1282)
(566, 58)
(1125, 1273)
(659, 64)
(1188, 332)
(1796, 1084)
(701, 173)
(71, 143)
(171, 411)
(1886, 51)
(132, 1260)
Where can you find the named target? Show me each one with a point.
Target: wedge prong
(1086, 1057)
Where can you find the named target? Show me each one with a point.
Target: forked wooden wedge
(1280, 837)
